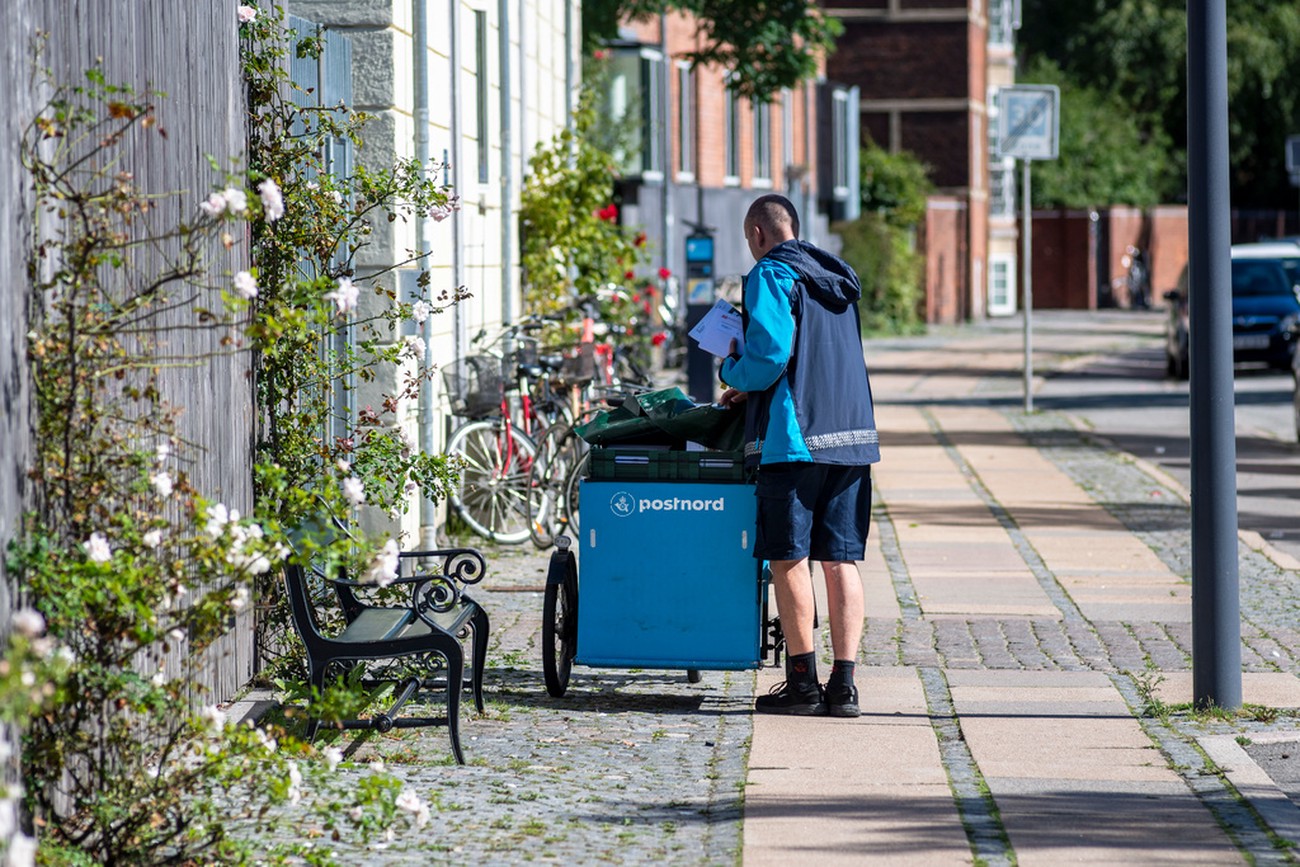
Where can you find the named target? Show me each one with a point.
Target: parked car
(1265, 308)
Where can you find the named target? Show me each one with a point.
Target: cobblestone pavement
(631, 767)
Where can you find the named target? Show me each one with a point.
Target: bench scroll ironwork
(422, 638)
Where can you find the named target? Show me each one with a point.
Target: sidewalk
(1017, 631)
(1026, 653)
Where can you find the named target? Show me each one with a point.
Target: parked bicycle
(558, 468)
(505, 401)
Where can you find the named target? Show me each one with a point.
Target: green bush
(881, 244)
(891, 270)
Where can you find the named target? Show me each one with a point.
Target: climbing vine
(133, 576)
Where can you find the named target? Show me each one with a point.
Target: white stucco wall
(470, 248)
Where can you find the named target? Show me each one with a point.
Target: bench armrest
(436, 592)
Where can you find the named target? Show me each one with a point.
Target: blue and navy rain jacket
(809, 395)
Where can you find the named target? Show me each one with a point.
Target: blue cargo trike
(660, 572)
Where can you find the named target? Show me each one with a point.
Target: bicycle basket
(579, 365)
(474, 386)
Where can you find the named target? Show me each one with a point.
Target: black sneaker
(840, 700)
(784, 699)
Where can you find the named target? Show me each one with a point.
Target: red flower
(599, 54)
(636, 296)
(629, 276)
(609, 212)
(650, 291)
(664, 273)
(645, 307)
(639, 240)
(659, 338)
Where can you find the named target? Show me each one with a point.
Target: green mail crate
(614, 464)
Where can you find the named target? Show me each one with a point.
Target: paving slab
(872, 790)
(1074, 776)
(1052, 822)
(1269, 689)
(1014, 593)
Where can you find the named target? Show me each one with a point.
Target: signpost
(1029, 122)
(700, 378)
(1293, 159)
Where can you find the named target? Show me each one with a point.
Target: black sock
(801, 671)
(842, 672)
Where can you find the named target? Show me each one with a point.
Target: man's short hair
(771, 212)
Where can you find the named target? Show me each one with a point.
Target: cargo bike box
(668, 575)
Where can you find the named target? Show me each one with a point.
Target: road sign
(1029, 120)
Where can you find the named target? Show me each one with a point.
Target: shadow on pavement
(604, 692)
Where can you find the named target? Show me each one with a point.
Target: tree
(1108, 156)
(767, 44)
(1135, 52)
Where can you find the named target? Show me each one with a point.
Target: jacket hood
(826, 276)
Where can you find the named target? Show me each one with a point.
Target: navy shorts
(818, 511)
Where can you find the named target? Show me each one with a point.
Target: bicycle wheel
(560, 622)
(492, 497)
(543, 488)
(569, 500)
(560, 452)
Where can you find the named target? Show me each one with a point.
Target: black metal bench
(431, 627)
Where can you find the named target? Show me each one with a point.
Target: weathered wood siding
(190, 52)
(15, 433)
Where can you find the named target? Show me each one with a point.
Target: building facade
(700, 154)
(469, 89)
(928, 72)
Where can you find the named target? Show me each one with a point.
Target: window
(481, 91)
(785, 159)
(1004, 21)
(838, 151)
(635, 101)
(762, 142)
(1002, 284)
(732, 113)
(839, 133)
(685, 120)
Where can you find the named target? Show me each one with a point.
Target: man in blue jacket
(810, 428)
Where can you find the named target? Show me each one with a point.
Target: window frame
(731, 149)
(685, 120)
(481, 87)
(761, 123)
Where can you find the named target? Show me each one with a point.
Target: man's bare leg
(792, 581)
(847, 609)
(801, 694)
(844, 599)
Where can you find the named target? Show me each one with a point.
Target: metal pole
(1026, 279)
(1216, 618)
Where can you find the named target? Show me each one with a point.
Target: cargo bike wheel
(560, 619)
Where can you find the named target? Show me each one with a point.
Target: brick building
(928, 72)
(699, 154)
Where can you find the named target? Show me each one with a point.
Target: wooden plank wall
(189, 51)
(15, 433)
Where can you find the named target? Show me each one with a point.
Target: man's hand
(733, 397)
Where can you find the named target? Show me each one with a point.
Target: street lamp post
(1216, 615)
